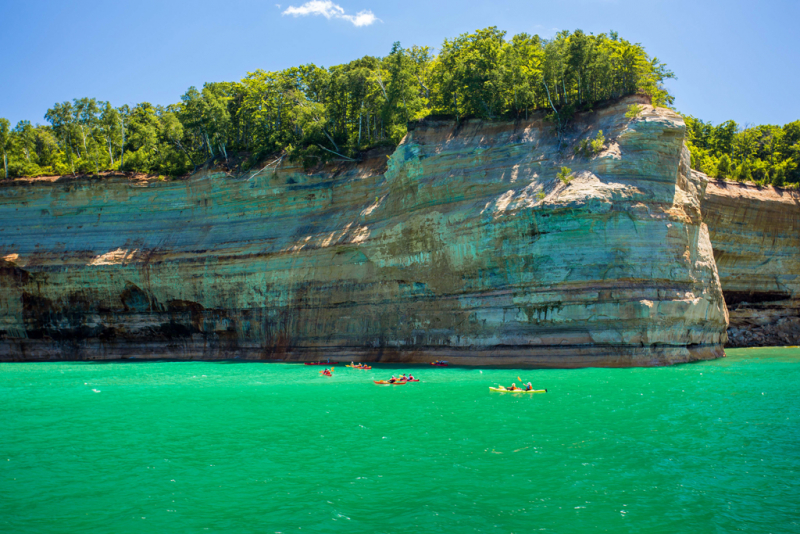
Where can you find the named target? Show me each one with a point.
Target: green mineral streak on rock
(462, 245)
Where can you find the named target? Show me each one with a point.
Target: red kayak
(320, 363)
(440, 364)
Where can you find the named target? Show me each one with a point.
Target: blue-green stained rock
(462, 244)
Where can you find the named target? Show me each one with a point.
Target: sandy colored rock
(462, 244)
(755, 233)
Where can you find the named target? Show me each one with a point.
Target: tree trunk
(83, 134)
(179, 145)
(331, 139)
(96, 162)
(548, 96)
(427, 92)
(380, 82)
(122, 145)
(5, 165)
(209, 148)
(69, 153)
(359, 126)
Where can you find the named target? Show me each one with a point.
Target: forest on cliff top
(316, 114)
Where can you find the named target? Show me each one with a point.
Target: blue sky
(734, 60)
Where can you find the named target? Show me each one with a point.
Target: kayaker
(404, 377)
(528, 386)
(410, 377)
(513, 387)
(393, 379)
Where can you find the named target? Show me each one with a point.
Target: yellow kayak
(504, 390)
(359, 366)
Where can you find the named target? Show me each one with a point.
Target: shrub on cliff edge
(565, 175)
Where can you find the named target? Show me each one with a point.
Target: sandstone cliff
(755, 233)
(462, 244)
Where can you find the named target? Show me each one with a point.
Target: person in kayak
(404, 377)
(528, 386)
(410, 377)
(513, 387)
(393, 379)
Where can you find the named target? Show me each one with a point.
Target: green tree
(26, 138)
(61, 118)
(85, 116)
(5, 142)
(109, 124)
(317, 114)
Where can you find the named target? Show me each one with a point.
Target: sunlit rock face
(755, 233)
(462, 244)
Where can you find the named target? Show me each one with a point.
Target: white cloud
(329, 10)
(362, 18)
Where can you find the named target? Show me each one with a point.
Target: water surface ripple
(249, 447)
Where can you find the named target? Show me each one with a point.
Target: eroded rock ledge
(461, 245)
(755, 233)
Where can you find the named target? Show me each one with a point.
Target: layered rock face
(755, 233)
(462, 245)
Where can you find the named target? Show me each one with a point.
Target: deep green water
(221, 447)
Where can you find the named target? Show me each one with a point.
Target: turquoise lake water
(251, 447)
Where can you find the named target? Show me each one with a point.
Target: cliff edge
(755, 233)
(463, 244)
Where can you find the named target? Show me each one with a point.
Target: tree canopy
(765, 155)
(319, 114)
